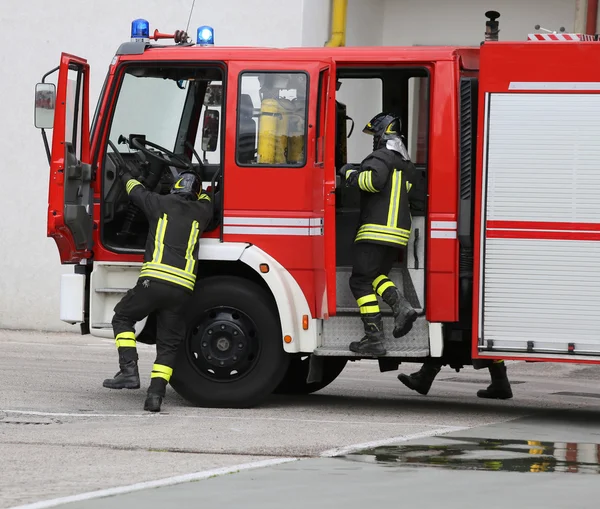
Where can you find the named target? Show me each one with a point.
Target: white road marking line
(159, 483)
(197, 476)
(340, 451)
(206, 416)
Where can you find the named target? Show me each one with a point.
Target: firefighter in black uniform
(166, 281)
(385, 179)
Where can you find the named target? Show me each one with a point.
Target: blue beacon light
(140, 30)
(205, 36)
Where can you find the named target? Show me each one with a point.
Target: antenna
(190, 18)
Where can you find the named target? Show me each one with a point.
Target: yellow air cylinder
(281, 144)
(267, 131)
(296, 141)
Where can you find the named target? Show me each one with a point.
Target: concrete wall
(33, 34)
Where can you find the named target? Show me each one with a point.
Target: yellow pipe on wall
(339, 9)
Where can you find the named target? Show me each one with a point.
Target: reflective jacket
(176, 224)
(385, 179)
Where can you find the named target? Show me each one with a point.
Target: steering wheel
(117, 154)
(162, 155)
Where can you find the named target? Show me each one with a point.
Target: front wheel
(233, 354)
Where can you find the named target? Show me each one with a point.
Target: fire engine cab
(503, 263)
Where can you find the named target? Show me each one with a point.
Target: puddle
(455, 453)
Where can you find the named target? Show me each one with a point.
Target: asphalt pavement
(63, 435)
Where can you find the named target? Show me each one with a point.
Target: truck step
(112, 290)
(340, 331)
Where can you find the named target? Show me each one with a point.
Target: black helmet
(382, 127)
(188, 185)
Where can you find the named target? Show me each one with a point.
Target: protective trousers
(168, 303)
(371, 265)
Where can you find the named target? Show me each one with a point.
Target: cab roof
(468, 56)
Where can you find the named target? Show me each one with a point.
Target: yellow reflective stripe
(189, 266)
(361, 181)
(365, 181)
(370, 182)
(384, 287)
(382, 238)
(159, 239)
(126, 335)
(366, 299)
(364, 310)
(408, 186)
(367, 231)
(125, 340)
(169, 269)
(204, 196)
(160, 375)
(125, 343)
(385, 229)
(396, 193)
(167, 277)
(161, 368)
(131, 183)
(349, 172)
(378, 280)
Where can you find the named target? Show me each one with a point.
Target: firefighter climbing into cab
(166, 281)
(385, 178)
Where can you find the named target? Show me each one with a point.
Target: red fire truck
(504, 263)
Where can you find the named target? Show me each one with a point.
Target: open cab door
(70, 197)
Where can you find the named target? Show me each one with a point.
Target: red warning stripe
(542, 230)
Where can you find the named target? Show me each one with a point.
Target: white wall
(32, 35)
(462, 22)
(34, 32)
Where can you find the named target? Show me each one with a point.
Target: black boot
(127, 378)
(153, 402)
(372, 342)
(500, 386)
(155, 395)
(404, 314)
(421, 380)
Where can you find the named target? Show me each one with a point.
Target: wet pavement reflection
(456, 453)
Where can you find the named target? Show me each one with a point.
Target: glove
(343, 171)
(124, 175)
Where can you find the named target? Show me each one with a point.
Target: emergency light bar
(140, 30)
(205, 36)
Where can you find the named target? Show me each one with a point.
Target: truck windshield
(149, 105)
(166, 105)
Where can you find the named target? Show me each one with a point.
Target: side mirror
(45, 103)
(210, 131)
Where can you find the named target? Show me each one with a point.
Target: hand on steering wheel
(162, 154)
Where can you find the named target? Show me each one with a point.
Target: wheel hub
(224, 345)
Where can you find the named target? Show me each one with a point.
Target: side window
(73, 108)
(272, 111)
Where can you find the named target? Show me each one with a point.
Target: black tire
(233, 354)
(294, 381)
